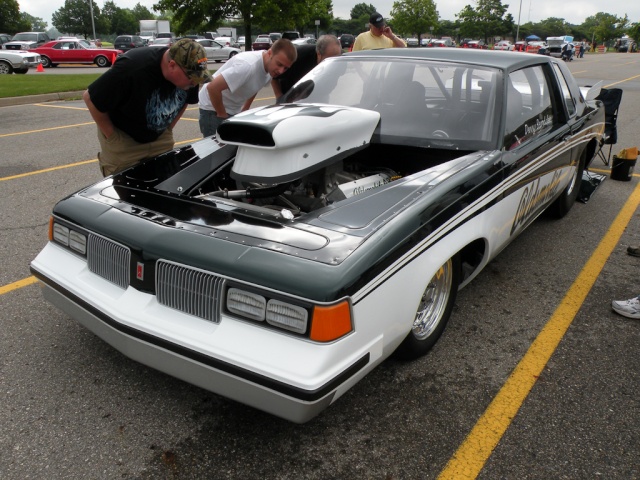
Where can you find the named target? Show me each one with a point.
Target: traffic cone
(40, 68)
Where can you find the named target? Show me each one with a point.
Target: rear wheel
(232, 54)
(433, 311)
(5, 68)
(561, 206)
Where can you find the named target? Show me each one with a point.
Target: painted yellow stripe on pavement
(77, 164)
(469, 459)
(19, 284)
(67, 107)
(46, 129)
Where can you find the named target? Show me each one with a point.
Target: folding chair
(611, 98)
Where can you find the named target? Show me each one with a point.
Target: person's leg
(209, 122)
(162, 144)
(118, 152)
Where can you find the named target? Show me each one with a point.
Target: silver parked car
(216, 51)
(17, 61)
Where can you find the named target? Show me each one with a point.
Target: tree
(75, 17)
(605, 26)
(414, 16)
(362, 10)
(37, 24)
(120, 20)
(486, 20)
(11, 21)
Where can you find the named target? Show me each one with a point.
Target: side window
(566, 93)
(529, 111)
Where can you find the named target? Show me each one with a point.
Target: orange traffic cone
(40, 68)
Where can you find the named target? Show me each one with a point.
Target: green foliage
(37, 24)
(362, 11)
(603, 27)
(75, 17)
(414, 17)
(487, 20)
(120, 21)
(11, 21)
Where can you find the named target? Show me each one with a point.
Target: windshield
(21, 37)
(421, 103)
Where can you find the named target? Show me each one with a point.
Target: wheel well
(590, 152)
(470, 258)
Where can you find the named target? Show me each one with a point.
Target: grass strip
(36, 83)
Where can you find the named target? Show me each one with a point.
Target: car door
(536, 138)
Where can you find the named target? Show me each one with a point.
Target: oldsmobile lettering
(536, 194)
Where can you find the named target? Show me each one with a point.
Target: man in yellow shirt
(378, 36)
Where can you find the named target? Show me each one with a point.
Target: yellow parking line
(45, 170)
(19, 284)
(46, 129)
(60, 106)
(475, 450)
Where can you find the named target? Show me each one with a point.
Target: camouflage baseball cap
(190, 55)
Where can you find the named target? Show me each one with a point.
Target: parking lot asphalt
(534, 378)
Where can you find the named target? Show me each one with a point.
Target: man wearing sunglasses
(139, 100)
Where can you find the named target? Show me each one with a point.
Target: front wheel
(433, 312)
(102, 61)
(5, 68)
(46, 62)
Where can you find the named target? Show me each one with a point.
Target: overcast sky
(573, 11)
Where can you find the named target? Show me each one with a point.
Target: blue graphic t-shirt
(137, 97)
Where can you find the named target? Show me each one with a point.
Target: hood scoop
(282, 143)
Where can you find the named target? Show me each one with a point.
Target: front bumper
(282, 375)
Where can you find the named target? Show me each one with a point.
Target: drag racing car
(280, 261)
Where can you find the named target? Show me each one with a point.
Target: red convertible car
(74, 51)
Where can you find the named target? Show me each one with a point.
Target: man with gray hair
(308, 57)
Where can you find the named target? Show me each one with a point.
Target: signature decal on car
(538, 193)
(539, 125)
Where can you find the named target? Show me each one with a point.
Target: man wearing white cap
(378, 36)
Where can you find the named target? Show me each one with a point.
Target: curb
(47, 97)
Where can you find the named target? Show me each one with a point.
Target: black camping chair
(611, 98)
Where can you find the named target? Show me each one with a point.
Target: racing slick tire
(561, 205)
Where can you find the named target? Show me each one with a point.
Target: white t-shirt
(245, 75)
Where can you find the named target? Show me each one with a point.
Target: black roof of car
(489, 58)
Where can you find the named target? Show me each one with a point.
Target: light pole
(518, 29)
(93, 23)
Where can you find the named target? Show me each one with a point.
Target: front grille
(189, 290)
(109, 260)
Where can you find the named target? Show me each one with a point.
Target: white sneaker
(627, 308)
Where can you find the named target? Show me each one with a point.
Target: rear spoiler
(591, 92)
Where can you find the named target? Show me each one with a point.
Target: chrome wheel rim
(433, 302)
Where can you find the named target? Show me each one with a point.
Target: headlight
(321, 323)
(76, 241)
(287, 316)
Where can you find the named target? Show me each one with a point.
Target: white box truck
(149, 29)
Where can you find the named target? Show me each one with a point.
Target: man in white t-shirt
(236, 83)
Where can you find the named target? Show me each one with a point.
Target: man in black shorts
(138, 101)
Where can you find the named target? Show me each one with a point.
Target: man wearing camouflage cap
(138, 101)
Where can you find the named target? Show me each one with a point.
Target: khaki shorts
(120, 151)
